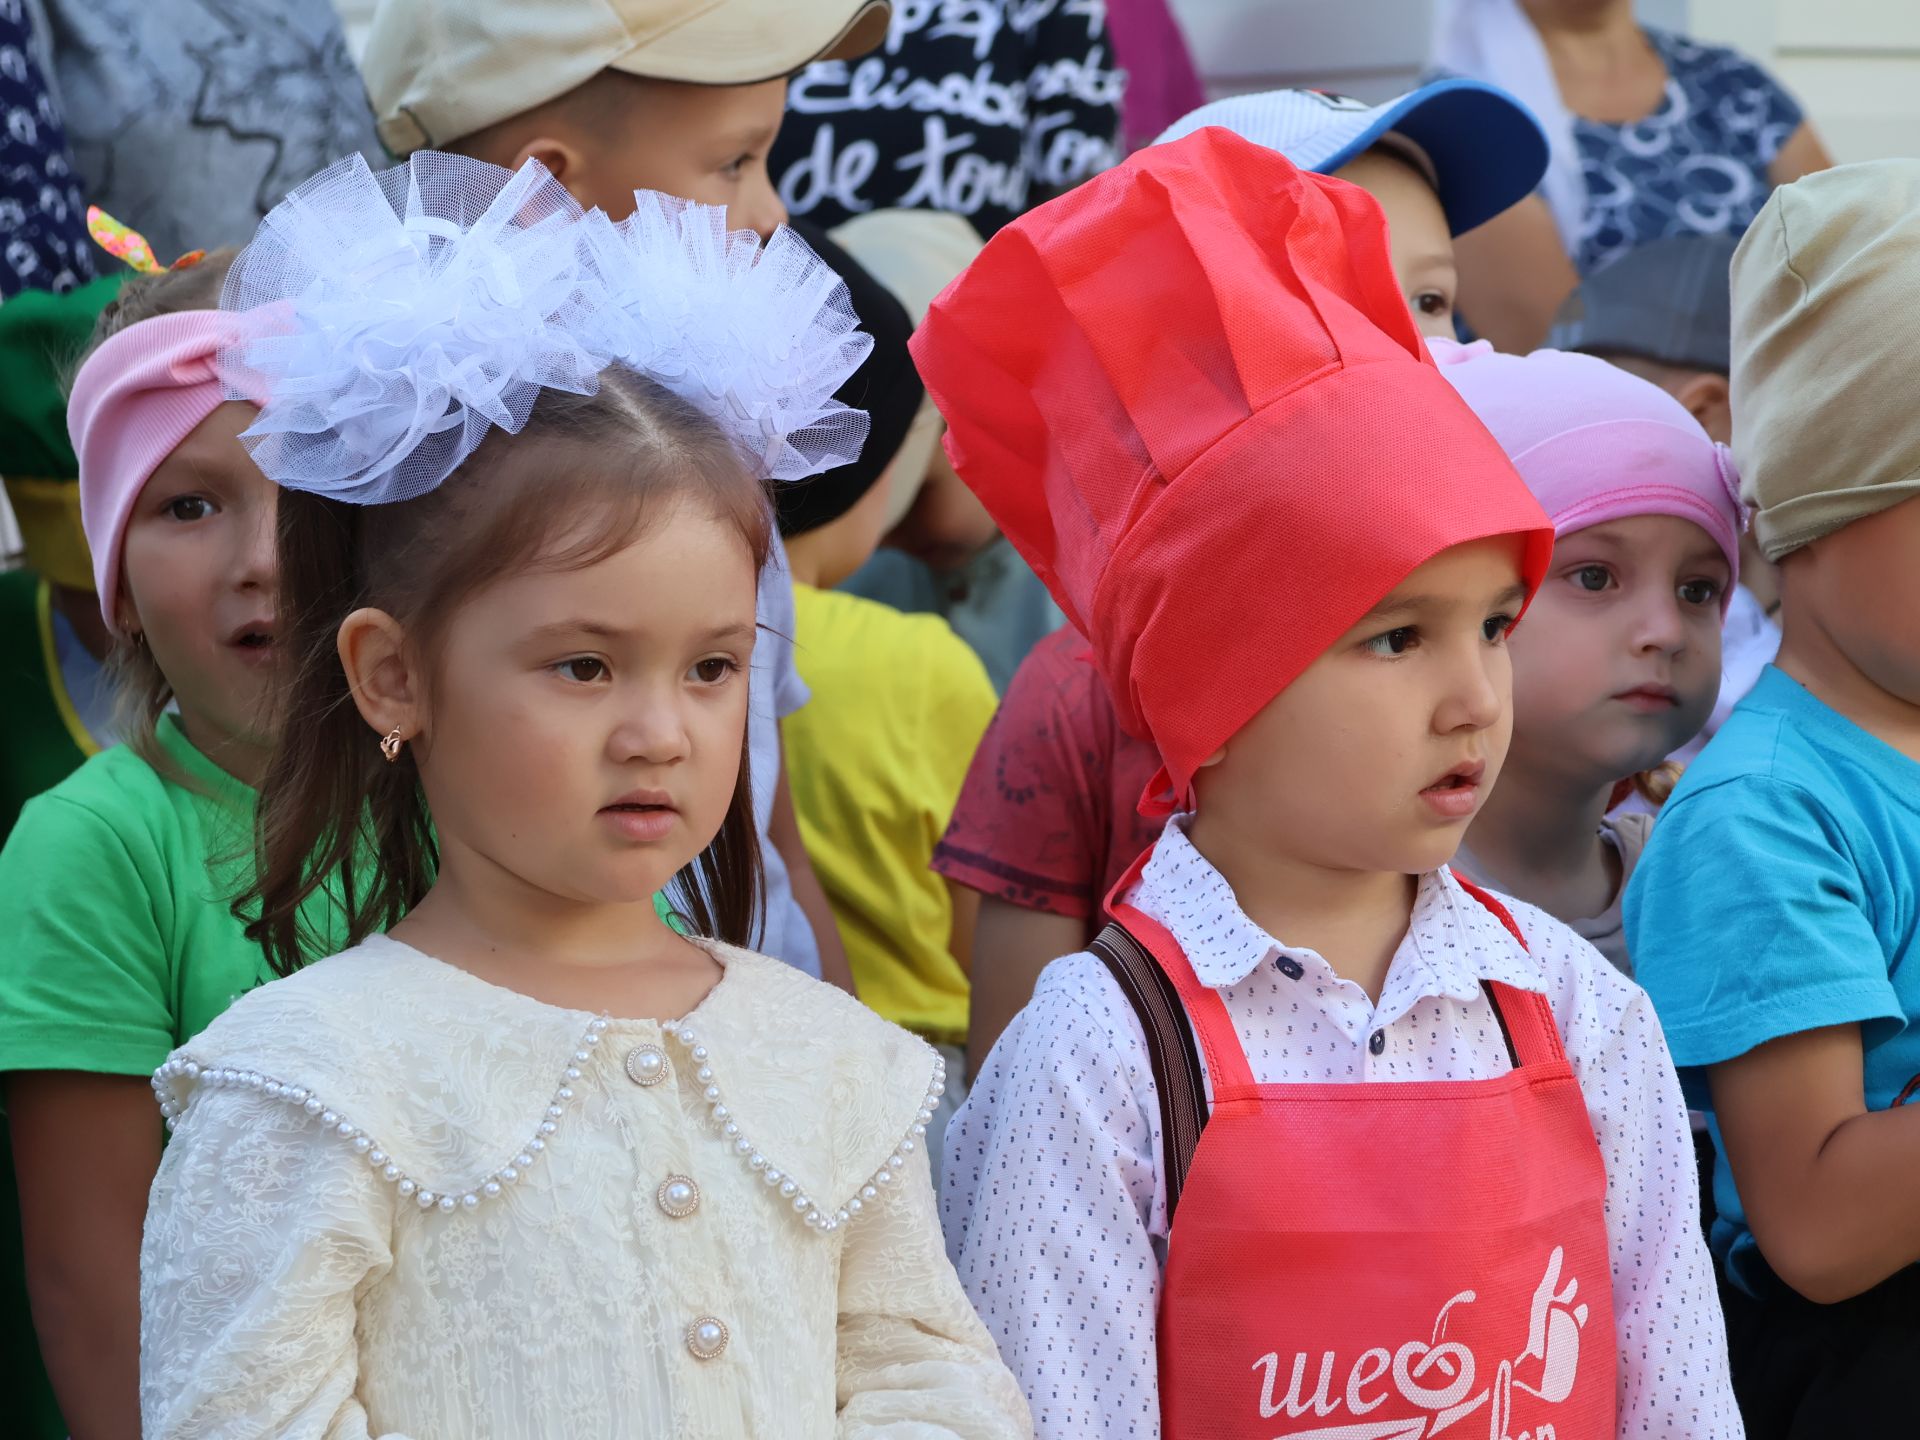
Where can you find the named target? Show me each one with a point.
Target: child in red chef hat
(1317, 1138)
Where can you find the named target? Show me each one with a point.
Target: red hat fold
(1193, 397)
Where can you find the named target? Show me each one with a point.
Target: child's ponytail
(1654, 786)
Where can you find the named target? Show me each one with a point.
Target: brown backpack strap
(1177, 1077)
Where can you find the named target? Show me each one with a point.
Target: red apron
(1387, 1260)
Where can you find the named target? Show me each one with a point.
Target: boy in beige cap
(612, 96)
(1775, 918)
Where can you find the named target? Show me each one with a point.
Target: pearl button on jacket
(400, 1201)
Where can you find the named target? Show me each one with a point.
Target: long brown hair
(333, 815)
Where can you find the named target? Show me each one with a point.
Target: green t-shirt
(114, 888)
(119, 946)
(114, 893)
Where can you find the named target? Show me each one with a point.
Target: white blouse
(400, 1201)
(1054, 1208)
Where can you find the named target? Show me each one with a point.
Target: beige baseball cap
(438, 70)
(916, 254)
(1825, 286)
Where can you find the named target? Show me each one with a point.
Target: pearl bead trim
(182, 1068)
(828, 1219)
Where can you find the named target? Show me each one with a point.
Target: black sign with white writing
(979, 107)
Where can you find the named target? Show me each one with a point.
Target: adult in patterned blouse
(43, 233)
(1653, 135)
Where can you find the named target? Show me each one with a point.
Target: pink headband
(1595, 443)
(137, 397)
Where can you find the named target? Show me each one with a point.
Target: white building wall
(1854, 64)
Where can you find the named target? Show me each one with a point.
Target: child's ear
(1707, 397)
(380, 673)
(562, 160)
(125, 617)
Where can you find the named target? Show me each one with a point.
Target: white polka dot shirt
(1052, 1202)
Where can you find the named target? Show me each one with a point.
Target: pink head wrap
(1595, 443)
(137, 397)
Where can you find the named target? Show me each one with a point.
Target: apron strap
(1226, 1061)
(1527, 1025)
(1177, 1078)
(1526, 1019)
(1181, 1018)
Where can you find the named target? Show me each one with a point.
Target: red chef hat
(1192, 395)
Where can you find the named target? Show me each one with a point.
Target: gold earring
(390, 745)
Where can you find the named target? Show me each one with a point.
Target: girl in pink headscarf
(1618, 665)
(115, 884)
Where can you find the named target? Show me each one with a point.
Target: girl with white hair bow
(527, 1160)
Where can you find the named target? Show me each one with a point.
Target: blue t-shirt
(1696, 166)
(1781, 893)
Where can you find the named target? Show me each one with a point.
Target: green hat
(41, 337)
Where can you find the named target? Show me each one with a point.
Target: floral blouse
(1697, 165)
(401, 1201)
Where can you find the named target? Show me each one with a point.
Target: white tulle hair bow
(401, 315)
(757, 337)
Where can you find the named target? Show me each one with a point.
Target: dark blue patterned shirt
(43, 229)
(1696, 165)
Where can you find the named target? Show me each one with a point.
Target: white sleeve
(1050, 1199)
(913, 1358)
(1674, 1382)
(260, 1227)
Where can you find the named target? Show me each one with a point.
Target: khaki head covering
(1825, 286)
(439, 70)
(916, 254)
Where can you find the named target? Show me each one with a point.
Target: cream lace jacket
(400, 1201)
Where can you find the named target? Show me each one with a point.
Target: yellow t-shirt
(875, 761)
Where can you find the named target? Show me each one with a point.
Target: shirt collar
(1180, 888)
(1453, 941)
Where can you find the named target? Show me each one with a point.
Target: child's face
(198, 586)
(1618, 664)
(1417, 234)
(947, 525)
(1378, 756)
(582, 730)
(706, 143)
(1861, 587)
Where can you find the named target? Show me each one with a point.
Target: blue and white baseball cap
(1486, 150)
